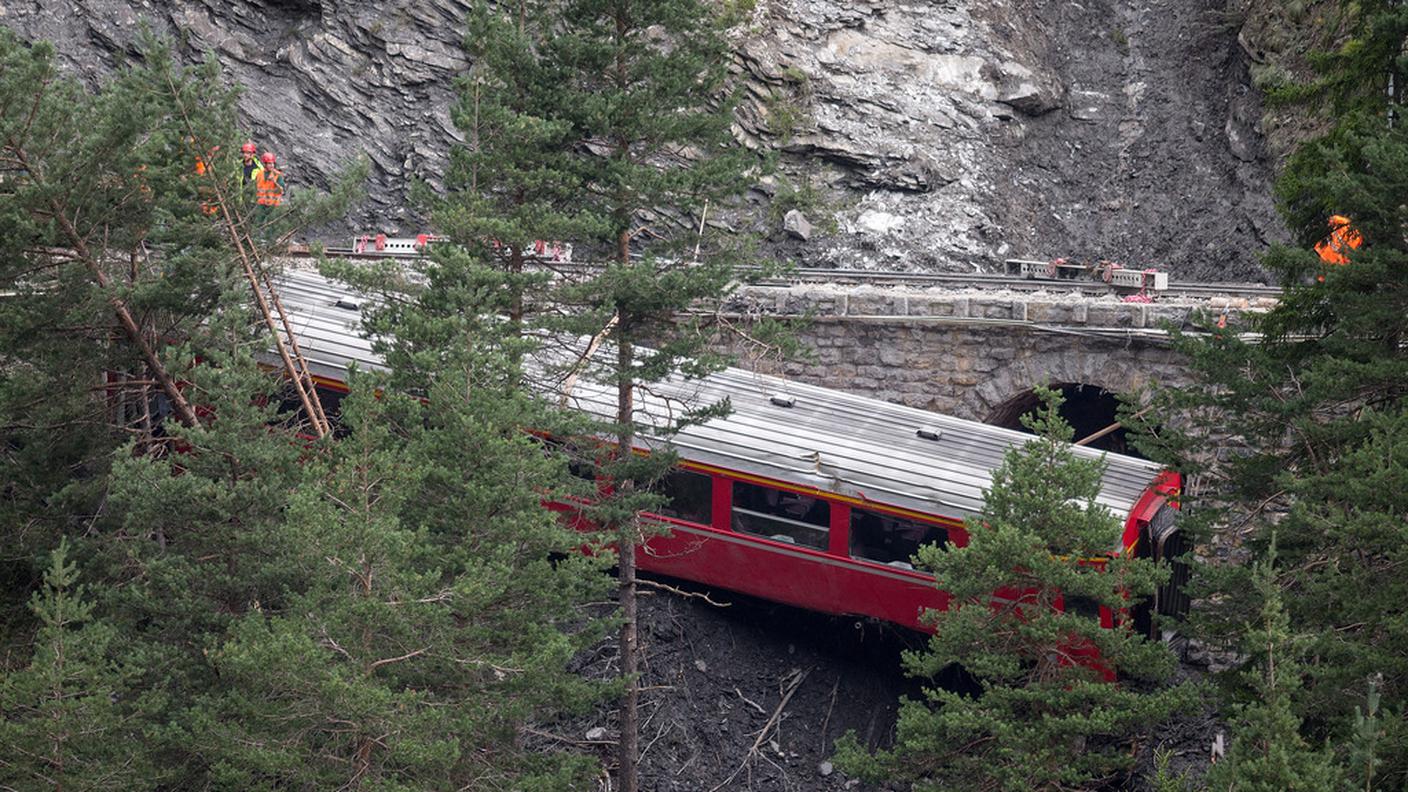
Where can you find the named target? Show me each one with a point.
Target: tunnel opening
(1087, 408)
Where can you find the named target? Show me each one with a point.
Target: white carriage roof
(852, 445)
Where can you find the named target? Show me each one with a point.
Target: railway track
(921, 280)
(991, 281)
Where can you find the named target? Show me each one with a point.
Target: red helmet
(249, 147)
(268, 158)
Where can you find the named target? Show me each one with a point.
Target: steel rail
(881, 278)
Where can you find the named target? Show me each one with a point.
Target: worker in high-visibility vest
(1335, 247)
(249, 165)
(269, 186)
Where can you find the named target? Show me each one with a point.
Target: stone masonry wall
(967, 353)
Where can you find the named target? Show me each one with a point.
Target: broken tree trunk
(130, 327)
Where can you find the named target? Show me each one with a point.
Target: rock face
(325, 82)
(943, 134)
(958, 133)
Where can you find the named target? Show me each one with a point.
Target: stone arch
(1089, 409)
(1114, 370)
(1098, 365)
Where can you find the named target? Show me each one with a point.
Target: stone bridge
(978, 354)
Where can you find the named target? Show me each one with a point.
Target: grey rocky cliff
(925, 135)
(325, 82)
(958, 133)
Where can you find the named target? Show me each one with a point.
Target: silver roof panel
(844, 443)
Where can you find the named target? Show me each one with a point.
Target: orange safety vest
(208, 207)
(267, 187)
(1333, 249)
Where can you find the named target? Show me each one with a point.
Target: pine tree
(1268, 753)
(69, 718)
(118, 284)
(112, 273)
(110, 267)
(1044, 715)
(91, 180)
(1363, 758)
(200, 541)
(432, 623)
(1316, 399)
(644, 86)
(607, 122)
(511, 186)
(103, 253)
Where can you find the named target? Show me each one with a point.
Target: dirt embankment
(952, 138)
(752, 696)
(1157, 156)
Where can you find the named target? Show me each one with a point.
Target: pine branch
(182, 407)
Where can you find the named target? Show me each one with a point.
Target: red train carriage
(803, 495)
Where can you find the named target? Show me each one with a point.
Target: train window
(579, 465)
(583, 469)
(890, 540)
(292, 412)
(332, 408)
(691, 496)
(1082, 606)
(331, 400)
(780, 515)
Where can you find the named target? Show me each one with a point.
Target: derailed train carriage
(803, 495)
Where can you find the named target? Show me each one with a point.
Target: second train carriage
(802, 495)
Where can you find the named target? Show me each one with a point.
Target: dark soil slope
(752, 696)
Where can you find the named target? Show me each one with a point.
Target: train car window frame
(890, 539)
(781, 515)
(330, 397)
(576, 468)
(703, 496)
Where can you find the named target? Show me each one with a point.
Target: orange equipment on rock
(1343, 237)
(268, 182)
